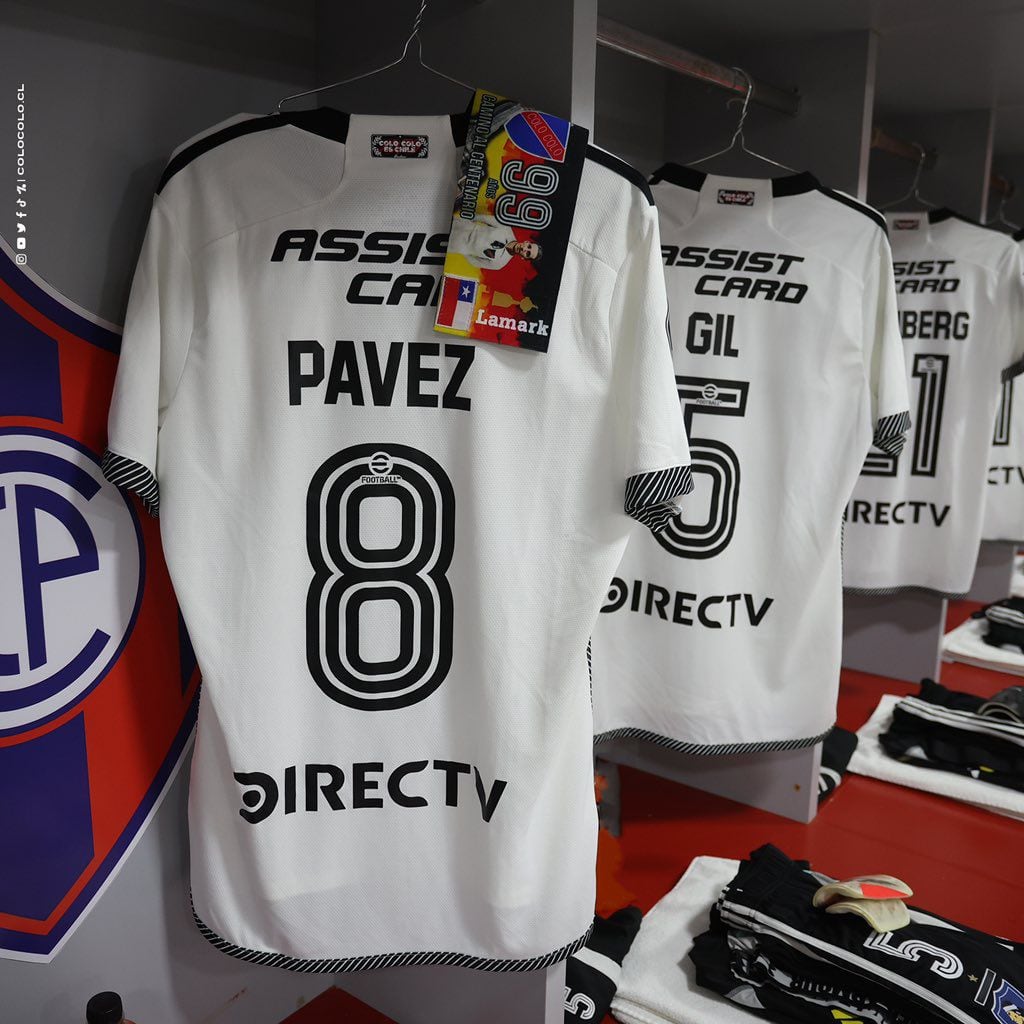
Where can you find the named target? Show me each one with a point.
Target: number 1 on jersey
(931, 370)
(1004, 416)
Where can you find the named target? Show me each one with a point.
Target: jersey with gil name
(915, 519)
(389, 545)
(721, 631)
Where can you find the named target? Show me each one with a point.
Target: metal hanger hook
(914, 191)
(920, 167)
(738, 134)
(417, 23)
(415, 33)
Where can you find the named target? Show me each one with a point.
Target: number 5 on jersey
(715, 460)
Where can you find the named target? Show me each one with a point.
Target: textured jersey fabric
(721, 632)
(915, 521)
(389, 545)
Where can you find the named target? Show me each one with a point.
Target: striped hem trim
(368, 963)
(132, 476)
(649, 496)
(909, 589)
(713, 749)
(890, 433)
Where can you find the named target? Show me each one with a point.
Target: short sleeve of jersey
(157, 330)
(887, 374)
(656, 453)
(1014, 306)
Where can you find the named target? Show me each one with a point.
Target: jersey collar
(691, 178)
(721, 196)
(334, 124)
(366, 132)
(920, 222)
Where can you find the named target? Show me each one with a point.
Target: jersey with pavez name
(389, 545)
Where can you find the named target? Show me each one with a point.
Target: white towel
(870, 759)
(658, 983)
(965, 644)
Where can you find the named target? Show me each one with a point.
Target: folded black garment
(961, 742)
(933, 970)
(780, 983)
(955, 700)
(836, 751)
(592, 973)
(1005, 623)
(1007, 705)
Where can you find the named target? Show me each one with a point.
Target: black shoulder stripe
(868, 211)
(676, 174)
(326, 121)
(945, 213)
(628, 171)
(1019, 235)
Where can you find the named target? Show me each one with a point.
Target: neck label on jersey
(907, 223)
(518, 184)
(736, 197)
(400, 146)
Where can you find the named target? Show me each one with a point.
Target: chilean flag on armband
(458, 300)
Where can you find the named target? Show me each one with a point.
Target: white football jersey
(915, 520)
(389, 545)
(1004, 495)
(721, 633)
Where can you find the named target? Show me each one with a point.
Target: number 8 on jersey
(380, 531)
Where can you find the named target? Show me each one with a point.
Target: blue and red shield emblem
(1008, 1004)
(98, 686)
(541, 135)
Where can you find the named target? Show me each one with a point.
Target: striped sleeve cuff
(650, 497)
(132, 476)
(1013, 370)
(891, 433)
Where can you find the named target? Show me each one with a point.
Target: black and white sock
(592, 973)
(836, 751)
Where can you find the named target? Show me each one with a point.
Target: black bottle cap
(104, 1008)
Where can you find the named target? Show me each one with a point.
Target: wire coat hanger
(913, 192)
(414, 34)
(1000, 215)
(737, 136)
